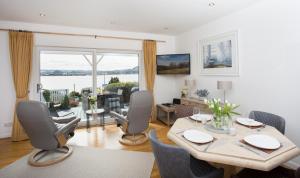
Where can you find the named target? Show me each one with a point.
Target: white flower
(233, 105)
(219, 100)
(226, 102)
(215, 100)
(211, 106)
(220, 108)
(205, 101)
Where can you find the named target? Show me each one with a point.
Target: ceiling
(153, 16)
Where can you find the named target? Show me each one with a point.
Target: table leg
(87, 122)
(168, 119)
(103, 120)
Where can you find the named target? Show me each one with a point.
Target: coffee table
(94, 113)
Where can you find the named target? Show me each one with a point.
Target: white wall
(164, 86)
(269, 44)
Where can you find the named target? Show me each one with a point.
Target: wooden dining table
(230, 152)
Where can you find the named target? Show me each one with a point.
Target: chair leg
(37, 156)
(134, 139)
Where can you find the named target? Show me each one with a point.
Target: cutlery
(253, 150)
(206, 148)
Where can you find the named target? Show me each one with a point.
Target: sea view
(68, 82)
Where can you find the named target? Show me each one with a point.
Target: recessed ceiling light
(211, 4)
(42, 14)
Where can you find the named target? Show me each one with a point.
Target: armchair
(137, 120)
(47, 136)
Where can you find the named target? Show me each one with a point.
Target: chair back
(183, 111)
(35, 119)
(114, 105)
(173, 162)
(269, 119)
(139, 112)
(297, 173)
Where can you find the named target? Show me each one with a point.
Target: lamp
(224, 85)
(190, 84)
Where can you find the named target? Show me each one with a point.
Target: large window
(74, 76)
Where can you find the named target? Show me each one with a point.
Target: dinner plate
(197, 136)
(248, 122)
(199, 117)
(262, 141)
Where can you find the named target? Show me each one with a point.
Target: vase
(222, 122)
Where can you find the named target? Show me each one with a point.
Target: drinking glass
(196, 113)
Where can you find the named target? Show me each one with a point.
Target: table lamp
(224, 85)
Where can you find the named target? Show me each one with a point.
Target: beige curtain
(21, 46)
(149, 49)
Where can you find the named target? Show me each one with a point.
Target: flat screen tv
(173, 64)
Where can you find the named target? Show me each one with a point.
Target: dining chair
(183, 111)
(175, 162)
(269, 119)
(279, 172)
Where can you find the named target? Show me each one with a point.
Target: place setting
(250, 123)
(199, 117)
(260, 144)
(197, 138)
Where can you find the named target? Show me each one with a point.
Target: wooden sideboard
(196, 103)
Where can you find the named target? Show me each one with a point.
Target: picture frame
(219, 55)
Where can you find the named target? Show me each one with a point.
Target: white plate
(248, 122)
(196, 136)
(199, 117)
(262, 141)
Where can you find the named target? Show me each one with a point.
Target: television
(173, 64)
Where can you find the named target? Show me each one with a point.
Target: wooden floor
(108, 138)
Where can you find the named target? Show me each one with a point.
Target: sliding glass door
(69, 78)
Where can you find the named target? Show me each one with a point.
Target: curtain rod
(86, 35)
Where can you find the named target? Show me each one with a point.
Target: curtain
(149, 49)
(21, 46)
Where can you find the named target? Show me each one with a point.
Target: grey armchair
(45, 134)
(175, 162)
(269, 119)
(137, 120)
(279, 172)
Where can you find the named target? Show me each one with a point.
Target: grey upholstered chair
(269, 119)
(44, 133)
(175, 162)
(137, 119)
(183, 111)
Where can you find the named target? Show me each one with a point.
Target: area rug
(87, 162)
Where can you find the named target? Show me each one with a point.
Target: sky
(78, 61)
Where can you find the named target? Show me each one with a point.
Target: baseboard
(291, 165)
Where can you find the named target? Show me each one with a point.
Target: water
(68, 82)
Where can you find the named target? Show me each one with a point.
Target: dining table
(229, 151)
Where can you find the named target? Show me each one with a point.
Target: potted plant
(222, 113)
(92, 102)
(46, 95)
(74, 98)
(202, 94)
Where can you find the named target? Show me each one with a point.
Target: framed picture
(219, 55)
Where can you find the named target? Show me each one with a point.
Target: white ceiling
(151, 16)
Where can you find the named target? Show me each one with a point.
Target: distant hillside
(50, 72)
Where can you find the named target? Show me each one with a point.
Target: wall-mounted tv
(173, 64)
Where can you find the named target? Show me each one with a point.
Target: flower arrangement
(184, 92)
(222, 111)
(203, 93)
(92, 101)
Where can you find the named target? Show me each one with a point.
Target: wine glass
(196, 113)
